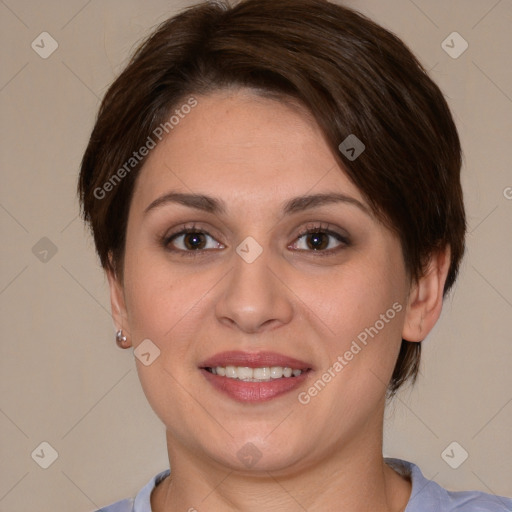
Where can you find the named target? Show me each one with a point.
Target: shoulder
(428, 496)
(119, 506)
(141, 502)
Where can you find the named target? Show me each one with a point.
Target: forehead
(244, 148)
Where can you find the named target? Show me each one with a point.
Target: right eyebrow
(197, 201)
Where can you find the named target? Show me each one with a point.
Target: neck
(353, 478)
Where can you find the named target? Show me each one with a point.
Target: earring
(121, 339)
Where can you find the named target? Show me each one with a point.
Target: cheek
(163, 307)
(357, 297)
(170, 306)
(157, 296)
(363, 306)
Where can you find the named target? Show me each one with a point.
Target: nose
(255, 298)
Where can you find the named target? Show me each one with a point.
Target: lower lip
(254, 391)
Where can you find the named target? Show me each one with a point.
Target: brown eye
(317, 241)
(320, 240)
(190, 242)
(194, 241)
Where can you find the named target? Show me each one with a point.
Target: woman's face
(250, 281)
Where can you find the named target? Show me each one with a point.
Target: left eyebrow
(302, 203)
(217, 206)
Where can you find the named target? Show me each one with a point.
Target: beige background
(64, 381)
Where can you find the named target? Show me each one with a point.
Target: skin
(255, 154)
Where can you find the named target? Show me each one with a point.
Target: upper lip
(253, 360)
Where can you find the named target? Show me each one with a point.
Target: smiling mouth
(259, 374)
(251, 377)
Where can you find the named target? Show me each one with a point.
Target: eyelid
(324, 228)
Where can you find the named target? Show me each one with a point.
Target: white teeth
(263, 374)
(231, 372)
(243, 373)
(276, 372)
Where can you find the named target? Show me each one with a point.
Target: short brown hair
(354, 77)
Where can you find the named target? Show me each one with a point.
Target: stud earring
(121, 339)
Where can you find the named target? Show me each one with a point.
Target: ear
(425, 300)
(117, 301)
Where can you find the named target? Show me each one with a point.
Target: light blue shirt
(426, 495)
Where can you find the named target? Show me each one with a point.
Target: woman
(274, 193)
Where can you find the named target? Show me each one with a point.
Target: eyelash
(310, 229)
